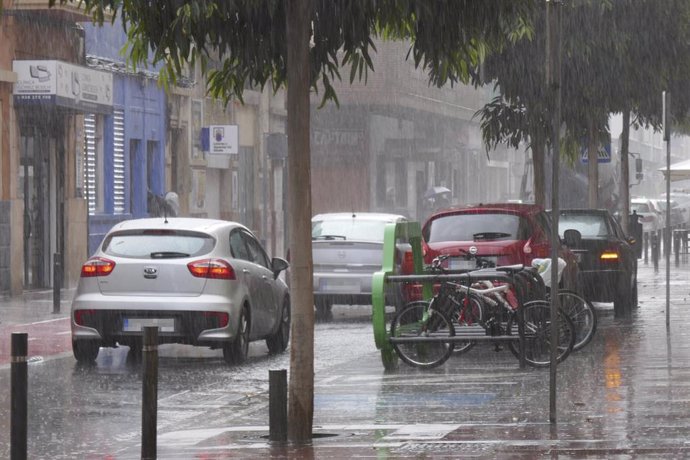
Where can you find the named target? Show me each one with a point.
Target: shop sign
(63, 84)
(223, 140)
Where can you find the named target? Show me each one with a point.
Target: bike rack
(411, 232)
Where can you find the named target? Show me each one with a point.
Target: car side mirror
(572, 238)
(278, 265)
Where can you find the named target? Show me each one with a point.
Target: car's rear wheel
(278, 342)
(85, 351)
(236, 351)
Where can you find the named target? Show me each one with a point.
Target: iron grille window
(90, 162)
(118, 161)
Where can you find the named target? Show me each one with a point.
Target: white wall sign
(224, 140)
(63, 84)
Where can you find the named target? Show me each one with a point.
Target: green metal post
(410, 232)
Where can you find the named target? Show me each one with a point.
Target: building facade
(395, 137)
(124, 152)
(45, 91)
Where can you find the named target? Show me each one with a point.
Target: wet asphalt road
(626, 395)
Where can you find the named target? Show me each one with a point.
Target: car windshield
(473, 227)
(348, 229)
(589, 225)
(157, 244)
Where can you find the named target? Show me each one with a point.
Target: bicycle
(579, 310)
(414, 322)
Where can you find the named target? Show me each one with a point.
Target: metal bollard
(57, 281)
(655, 251)
(18, 409)
(277, 405)
(646, 248)
(676, 246)
(149, 399)
(667, 242)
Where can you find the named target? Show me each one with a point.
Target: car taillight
(609, 256)
(223, 318)
(212, 268)
(97, 266)
(81, 315)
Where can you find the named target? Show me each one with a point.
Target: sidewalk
(624, 395)
(33, 306)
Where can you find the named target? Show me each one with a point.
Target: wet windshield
(587, 225)
(157, 245)
(471, 227)
(348, 229)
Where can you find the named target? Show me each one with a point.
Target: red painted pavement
(45, 338)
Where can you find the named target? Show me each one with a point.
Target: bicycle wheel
(418, 320)
(467, 315)
(582, 313)
(537, 318)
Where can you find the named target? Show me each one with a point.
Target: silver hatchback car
(202, 282)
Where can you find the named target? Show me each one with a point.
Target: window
(256, 252)
(118, 161)
(474, 227)
(349, 229)
(589, 225)
(238, 247)
(93, 163)
(146, 244)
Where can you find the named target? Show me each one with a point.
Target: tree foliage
(449, 37)
(618, 55)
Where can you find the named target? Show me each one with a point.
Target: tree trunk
(593, 168)
(538, 149)
(624, 194)
(301, 388)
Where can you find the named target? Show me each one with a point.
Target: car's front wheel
(278, 342)
(85, 351)
(236, 351)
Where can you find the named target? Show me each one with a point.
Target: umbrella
(434, 191)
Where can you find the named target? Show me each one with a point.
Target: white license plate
(461, 264)
(342, 286)
(137, 324)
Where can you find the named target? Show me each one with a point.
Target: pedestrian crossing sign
(604, 154)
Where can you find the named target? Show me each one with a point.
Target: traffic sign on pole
(603, 155)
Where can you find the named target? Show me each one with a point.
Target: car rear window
(158, 244)
(477, 227)
(639, 207)
(589, 225)
(348, 229)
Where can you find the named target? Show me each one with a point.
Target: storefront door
(41, 181)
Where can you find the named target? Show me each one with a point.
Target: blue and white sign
(223, 140)
(603, 155)
(63, 84)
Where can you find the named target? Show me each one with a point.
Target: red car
(504, 233)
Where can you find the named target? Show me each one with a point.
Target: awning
(679, 171)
